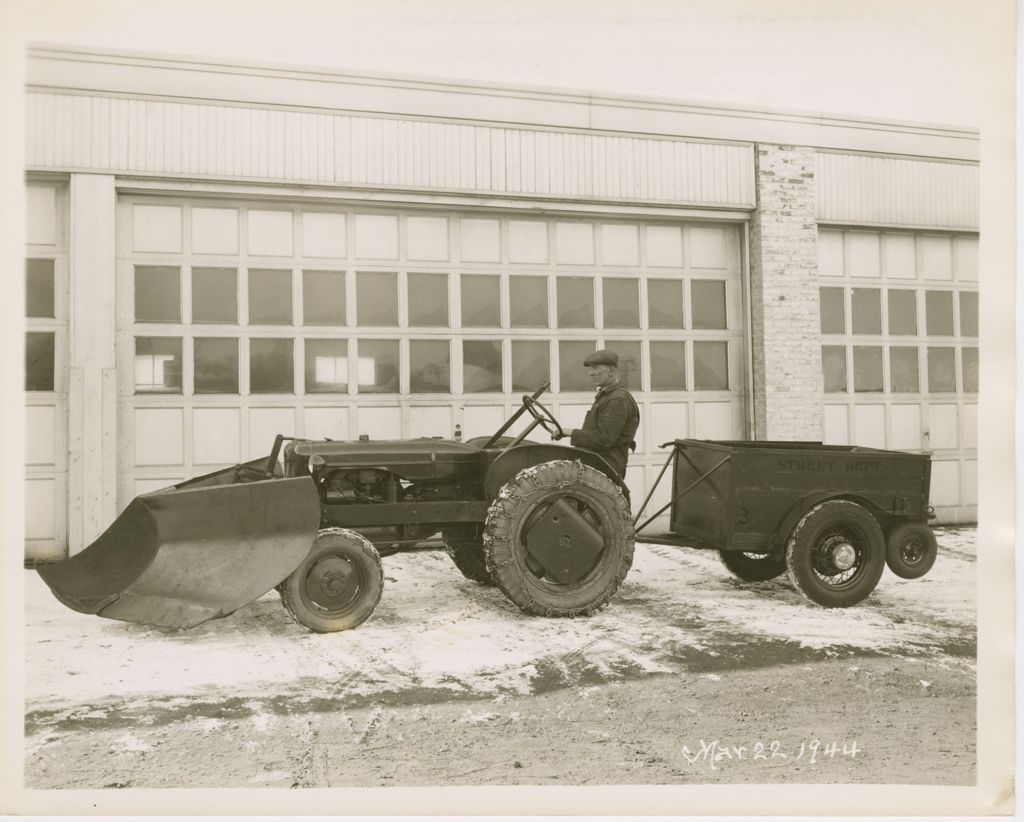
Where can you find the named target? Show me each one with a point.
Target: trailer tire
(910, 550)
(338, 584)
(524, 501)
(465, 545)
(836, 554)
(752, 567)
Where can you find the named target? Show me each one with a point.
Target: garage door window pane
(629, 361)
(216, 365)
(903, 370)
(430, 366)
(528, 302)
(376, 299)
(323, 298)
(530, 366)
(428, 300)
(326, 366)
(573, 374)
(481, 365)
(39, 348)
(621, 303)
(833, 367)
(902, 311)
(867, 368)
(969, 313)
(270, 297)
(157, 294)
(575, 302)
(39, 287)
(939, 313)
(866, 307)
(378, 367)
(668, 366)
(833, 320)
(481, 302)
(271, 367)
(665, 303)
(710, 366)
(970, 367)
(214, 295)
(158, 365)
(707, 301)
(941, 370)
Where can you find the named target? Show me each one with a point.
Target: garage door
(240, 320)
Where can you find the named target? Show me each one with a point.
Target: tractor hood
(413, 460)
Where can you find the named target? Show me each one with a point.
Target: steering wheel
(543, 416)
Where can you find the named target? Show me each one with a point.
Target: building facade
(218, 253)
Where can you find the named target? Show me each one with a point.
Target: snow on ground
(678, 610)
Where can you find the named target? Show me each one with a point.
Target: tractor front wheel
(338, 584)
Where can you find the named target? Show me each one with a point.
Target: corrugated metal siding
(890, 191)
(156, 137)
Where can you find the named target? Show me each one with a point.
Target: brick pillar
(785, 324)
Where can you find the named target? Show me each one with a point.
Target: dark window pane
(480, 301)
(326, 366)
(621, 302)
(833, 317)
(573, 373)
(866, 308)
(39, 348)
(970, 366)
(575, 302)
(938, 308)
(39, 288)
(707, 301)
(528, 301)
(902, 311)
(903, 370)
(710, 366)
(376, 299)
(833, 367)
(158, 365)
(867, 368)
(428, 299)
(969, 313)
(216, 365)
(530, 366)
(665, 303)
(270, 296)
(481, 365)
(214, 295)
(430, 366)
(271, 367)
(378, 367)
(629, 361)
(157, 294)
(323, 298)
(668, 366)
(941, 370)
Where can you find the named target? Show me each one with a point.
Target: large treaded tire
(819, 531)
(526, 495)
(337, 586)
(911, 550)
(752, 567)
(465, 545)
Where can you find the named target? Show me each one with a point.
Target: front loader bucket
(189, 553)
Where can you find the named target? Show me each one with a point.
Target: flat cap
(602, 357)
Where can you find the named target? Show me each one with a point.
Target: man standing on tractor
(611, 423)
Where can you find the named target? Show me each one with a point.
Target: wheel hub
(912, 551)
(332, 583)
(842, 555)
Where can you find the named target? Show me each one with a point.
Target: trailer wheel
(558, 539)
(752, 567)
(465, 546)
(337, 585)
(836, 554)
(911, 550)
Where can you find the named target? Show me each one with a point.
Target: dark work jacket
(610, 426)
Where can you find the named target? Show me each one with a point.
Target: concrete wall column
(785, 309)
(92, 394)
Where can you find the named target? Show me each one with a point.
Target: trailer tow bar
(677, 497)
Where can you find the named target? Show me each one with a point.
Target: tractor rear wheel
(752, 567)
(465, 545)
(338, 584)
(558, 539)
